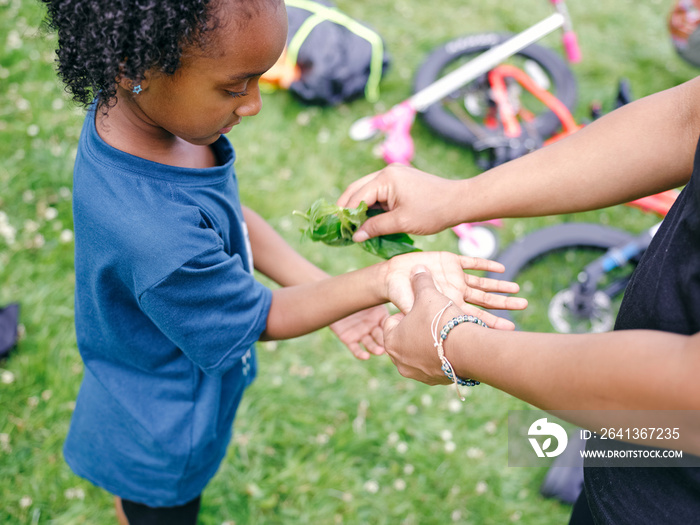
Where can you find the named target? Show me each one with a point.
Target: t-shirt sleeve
(211, 308)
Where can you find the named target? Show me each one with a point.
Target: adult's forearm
(637, 150)
(623, 370)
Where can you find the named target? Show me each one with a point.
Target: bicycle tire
(447, 125)
(534, 247)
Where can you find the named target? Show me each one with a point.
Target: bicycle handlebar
(569, 40)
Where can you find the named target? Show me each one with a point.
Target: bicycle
(438, 81)
(594, 264)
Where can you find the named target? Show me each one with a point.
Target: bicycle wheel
(547, 263)
(463, 116)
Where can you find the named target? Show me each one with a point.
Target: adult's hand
(415, 202)
(450, 279)
(408, 339)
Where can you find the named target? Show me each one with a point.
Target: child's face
(217, 86)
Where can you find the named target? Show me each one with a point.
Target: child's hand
(450, 279)
(363, 328)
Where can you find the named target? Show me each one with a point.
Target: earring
(137, 89)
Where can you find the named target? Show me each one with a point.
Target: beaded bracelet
(446, 365)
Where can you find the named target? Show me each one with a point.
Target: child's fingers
(477, 263)
(491, 320)
(487, 284)
(494, 300)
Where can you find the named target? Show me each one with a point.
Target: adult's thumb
(382, 224)
(422, 281)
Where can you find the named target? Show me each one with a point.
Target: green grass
(320, 438)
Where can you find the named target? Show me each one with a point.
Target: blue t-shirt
(167, 311)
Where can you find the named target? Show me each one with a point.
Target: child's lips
(225, 130)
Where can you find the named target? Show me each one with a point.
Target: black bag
(339, 58)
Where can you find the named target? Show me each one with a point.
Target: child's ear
(134, 86)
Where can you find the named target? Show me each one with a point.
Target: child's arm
(361, 332)
(298, 310)
(311, 300)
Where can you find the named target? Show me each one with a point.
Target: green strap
(322, 13)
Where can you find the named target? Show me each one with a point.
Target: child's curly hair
(101, 41)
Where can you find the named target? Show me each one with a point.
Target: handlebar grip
(573, 52)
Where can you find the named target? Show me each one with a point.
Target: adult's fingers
(356, 192)
(392, 322)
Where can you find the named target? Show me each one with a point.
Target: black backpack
(339, 59)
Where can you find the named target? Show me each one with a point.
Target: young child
(167, 309)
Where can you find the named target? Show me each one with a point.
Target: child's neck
(124, 131)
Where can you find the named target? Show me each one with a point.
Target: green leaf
(335, 226)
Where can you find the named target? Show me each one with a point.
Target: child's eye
(236, 94)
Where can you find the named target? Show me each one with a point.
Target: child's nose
(252, 104)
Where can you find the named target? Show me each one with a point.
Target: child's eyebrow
(244, 76)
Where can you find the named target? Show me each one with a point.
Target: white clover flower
(38, 241)
(475, 453)
(25, 502)
(57, 104)
(411, 410)
(74, 493)
(402, 447)
(426, 400)
(450, 447)
(516, 516)
(408, 469)
(7, 377)
(446, 435)
(490, 427)
(399, 484)
(481, 487)
(46, 395)
(285, 173)
(66, 236)
(33, 401)
(50, 213)
(8, 232)
(64, 192)
(28, 196)
(303, 118)
(371, 486)
(33, 130)
(393, 438)
(5, 442)
(31, 226)
(22, 104)
(454, 405)
(456, 515)
(285, 224)
(322, 439)
(373, 383)
(323, 136)
(270, 346)
(13, 40)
